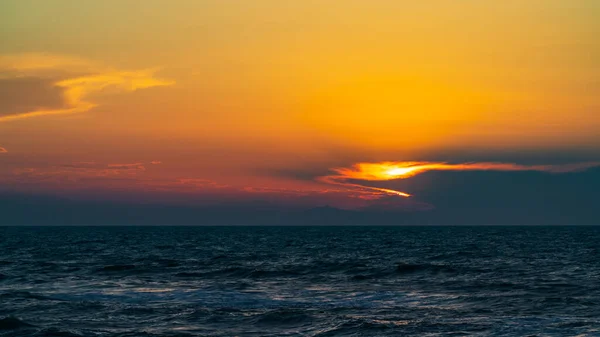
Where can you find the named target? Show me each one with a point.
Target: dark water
(300, 281)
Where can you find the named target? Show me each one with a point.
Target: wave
(13, 323)
(83, 242)
(358, 327)
(55, 332)
(409, 268)
(283, 317)
(23, 295)
(118, 267)
(241, 272)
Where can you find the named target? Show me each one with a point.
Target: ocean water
(299, 281)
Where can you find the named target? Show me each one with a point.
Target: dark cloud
(339, 156)
(497, 193)
(465, 198)
(25, 94)
(441, 197)
(525, 156)
(524, 197)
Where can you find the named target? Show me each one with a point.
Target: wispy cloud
(3, 150)
(74, 92)
(350, 177)
(81, 170)
(45, 64)
(280, 191)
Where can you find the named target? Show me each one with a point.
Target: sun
(400, 171)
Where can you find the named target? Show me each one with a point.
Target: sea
(300, 281)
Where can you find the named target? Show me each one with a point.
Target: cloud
(46, 63)
(81, 170)
(33, 85)
(26, 94)
(279, 191)
(133, 166)
(3, 150)
(137, 178)
(385, 171)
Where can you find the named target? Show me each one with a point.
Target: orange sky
(232, 93)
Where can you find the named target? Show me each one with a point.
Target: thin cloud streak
(81, 170)
(45, 61)
(3, 150)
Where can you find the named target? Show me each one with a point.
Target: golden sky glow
(232, 91)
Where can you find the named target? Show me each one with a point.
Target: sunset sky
(311, 103)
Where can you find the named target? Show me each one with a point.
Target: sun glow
(401, 171)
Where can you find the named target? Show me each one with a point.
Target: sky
(374, 104)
